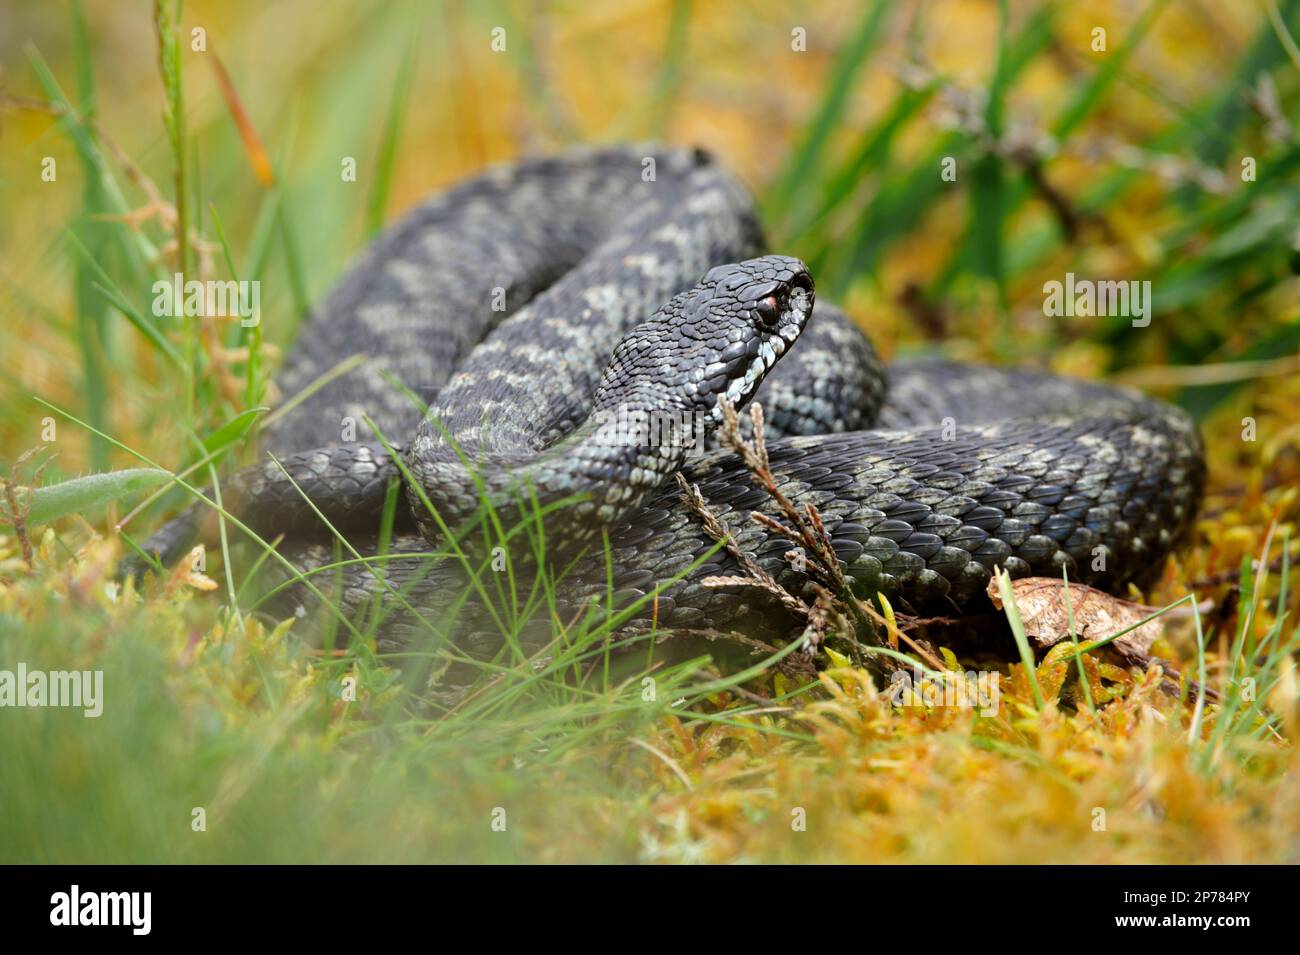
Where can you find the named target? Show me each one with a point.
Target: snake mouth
(795, 298)
(741, 389)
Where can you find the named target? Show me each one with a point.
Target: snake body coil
(500, 304)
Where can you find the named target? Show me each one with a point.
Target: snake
(511, 337)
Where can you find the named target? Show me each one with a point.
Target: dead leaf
(247, 132)
(189, 573)
(1097, 615)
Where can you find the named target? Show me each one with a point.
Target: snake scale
(505, 319)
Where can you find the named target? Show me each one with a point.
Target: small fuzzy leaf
(81, 494)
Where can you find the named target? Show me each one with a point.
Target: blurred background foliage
(1117, 163)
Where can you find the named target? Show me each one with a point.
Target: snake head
(747, 314)
(716, 340)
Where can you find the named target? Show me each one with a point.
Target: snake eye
(768, 309)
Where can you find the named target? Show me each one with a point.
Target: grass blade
(853, 56)
(386, 159)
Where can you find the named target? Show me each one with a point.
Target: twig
(17, 513)
(834, 608)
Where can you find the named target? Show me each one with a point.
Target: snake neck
(624, 450)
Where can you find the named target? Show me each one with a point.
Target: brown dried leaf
(188, 573)
(1041, 601)
(247, 132)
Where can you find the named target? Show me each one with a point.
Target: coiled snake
(500, 303)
